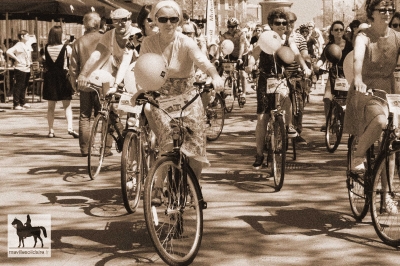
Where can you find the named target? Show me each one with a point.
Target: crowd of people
(165, 30)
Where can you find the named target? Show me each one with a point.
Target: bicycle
(139, 152)
(232, 85)
(297, 98)
(215, 113)
(104, 125)
(173, 201)
(276, 137)
(335, 118)
(380, 181)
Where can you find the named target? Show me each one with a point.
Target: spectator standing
(88, 100)
(21, 53)
(350, 36)
(55, 86)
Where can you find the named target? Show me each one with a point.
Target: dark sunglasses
(395, 25)
(231, 27)
(118, 21)
(257, 30)
(280, 23)
(149, 20)
(165, 19)
(304, 31)
(338, 29)
(385, 10)
(187, 33)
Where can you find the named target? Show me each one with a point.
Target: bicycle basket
(229, 66)
(394, 107)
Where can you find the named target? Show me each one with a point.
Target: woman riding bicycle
(336, 32)
(376, 51)
(180, 54)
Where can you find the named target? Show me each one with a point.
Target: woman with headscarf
(181, 54)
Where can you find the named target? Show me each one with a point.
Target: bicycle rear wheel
(334, 127)
(279, 152)
(131, 171)
(173, 210)
(97, 143)
(229, 94)
(356, 185)
(385, 217)
(215, 112)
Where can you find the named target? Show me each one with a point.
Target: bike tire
(358, 197)
(386, 225)
(334, 128)
(132, 170)
(229, 94)
(215, 113)
(279, 152)
(175, 224)
(97, 143)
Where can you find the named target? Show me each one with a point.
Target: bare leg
(68, 113)
(51, 105)
(370, 135)
(261, 130)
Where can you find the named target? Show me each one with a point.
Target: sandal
(51, 135)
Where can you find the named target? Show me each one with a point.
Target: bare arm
(359, 52)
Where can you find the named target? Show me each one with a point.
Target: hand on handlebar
(360, 86)
(218, 83)
(82, 83)
(307, 72)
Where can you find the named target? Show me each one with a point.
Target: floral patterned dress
(180, 78)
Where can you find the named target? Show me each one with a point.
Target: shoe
(73, 133)
(84, 155)
(26, 106)
(357, 165)
(391, 206)
(291, 132)
(18, 108)
(108, 153)
(323, 128)
(51, 135)
(299, 139)
(259, 161)
(156, 197)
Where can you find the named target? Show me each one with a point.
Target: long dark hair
(55, 35)
(331, 37)
(142, 16)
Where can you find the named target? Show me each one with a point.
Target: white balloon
(269, 42)
(348, 67)
(150, 72)
(227, 47)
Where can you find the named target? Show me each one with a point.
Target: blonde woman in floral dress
(181, 54)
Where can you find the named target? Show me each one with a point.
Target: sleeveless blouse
(379, 63)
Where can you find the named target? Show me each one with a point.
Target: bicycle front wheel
(97, 143)
(334, 127)
(229, 93)
(384, 201)
(279, 152)
(215, 113)
(173, 210)
(131, 171)
(356, 184)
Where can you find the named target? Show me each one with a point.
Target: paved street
(308, 222)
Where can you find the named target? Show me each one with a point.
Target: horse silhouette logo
(27, 230)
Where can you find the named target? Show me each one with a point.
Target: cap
(120, 13)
